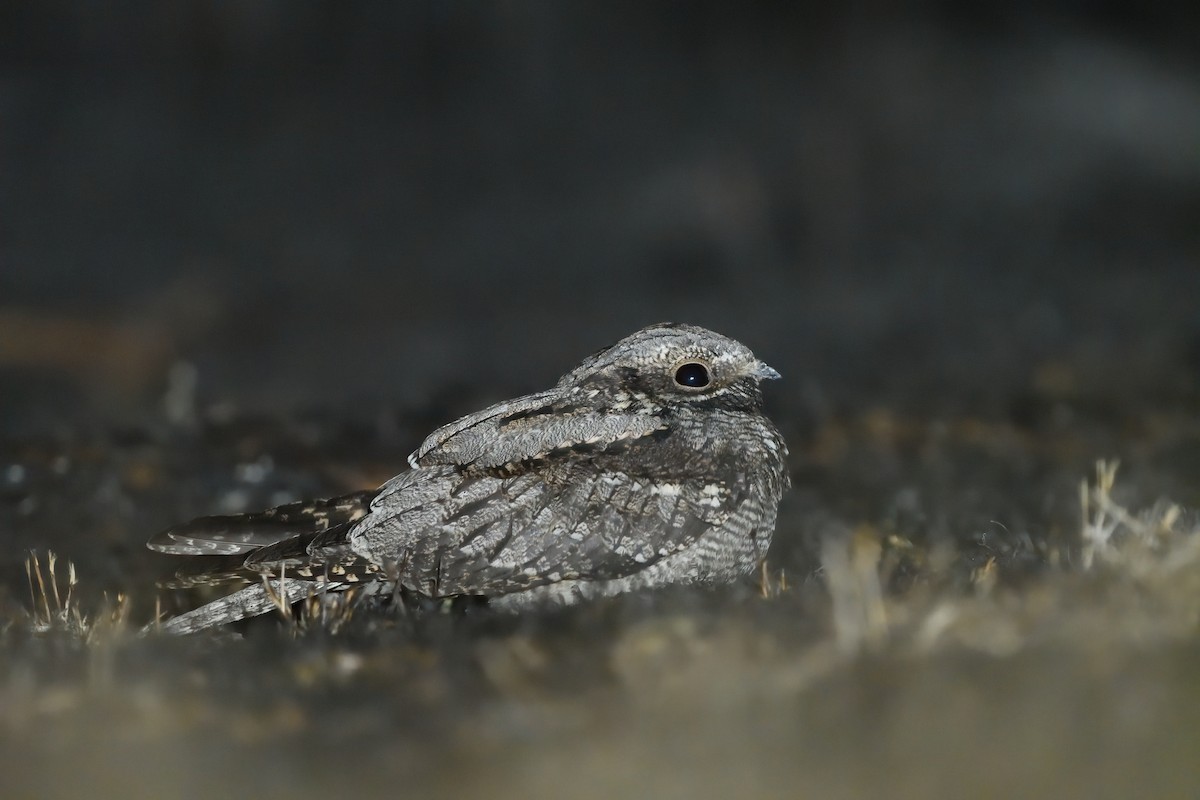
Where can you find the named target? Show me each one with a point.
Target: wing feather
(528, 428)
(507, 533)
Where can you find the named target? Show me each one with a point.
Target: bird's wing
(446, 532)
(443, 444)
(533, 427)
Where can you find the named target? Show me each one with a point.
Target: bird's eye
(693, 375)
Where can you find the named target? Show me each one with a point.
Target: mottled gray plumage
(649, 464)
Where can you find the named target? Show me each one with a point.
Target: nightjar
(651, 463)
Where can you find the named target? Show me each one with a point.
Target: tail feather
(242, 604)
(245, 533)
(300, 548)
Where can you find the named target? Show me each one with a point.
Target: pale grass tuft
(1142, 566)
(771, 583)
(327, 611)
(851, 564)
(277, 597)
(1112, 534)
(52, 610)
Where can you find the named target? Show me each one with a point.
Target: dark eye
(693, 375)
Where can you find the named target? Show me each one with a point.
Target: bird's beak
(765, 373)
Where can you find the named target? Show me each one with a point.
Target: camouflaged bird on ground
(649, 464)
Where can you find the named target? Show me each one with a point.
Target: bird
(649, 464)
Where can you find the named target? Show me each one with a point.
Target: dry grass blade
(278, 597)
(52, 611)
(851, 567)
(771, 585)
(1110, 532)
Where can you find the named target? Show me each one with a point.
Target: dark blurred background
(358, 205)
